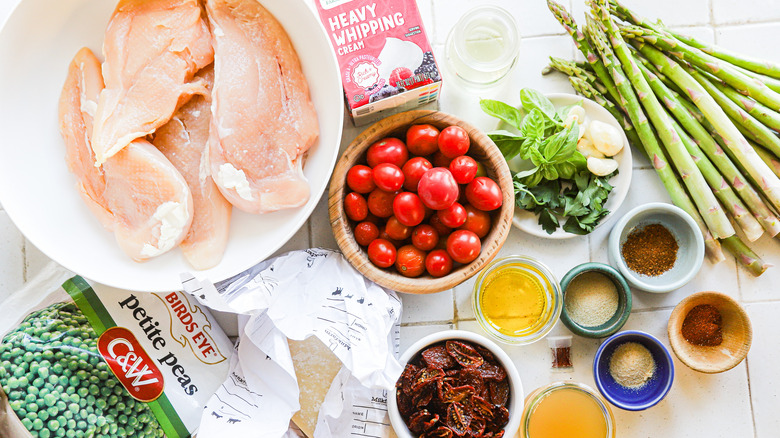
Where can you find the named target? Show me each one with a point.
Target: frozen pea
(53, 424)
(44, 433)
(37, 424)
(44, 414)
(49, 400)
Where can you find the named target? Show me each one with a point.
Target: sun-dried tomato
(486, 354)
(499, 392)
(450, 394)
(405, 405)
(500, 418)
(426, 376)
(464, 354)
(489, 371)
(424, 394)
(477, 427)
(406, 381)
(421, 421)
(437, 357)
(458, 419)
(499, 434)
(479, 408)
(439, 432)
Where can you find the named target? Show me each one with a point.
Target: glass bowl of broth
(517, 300)
(566, 409)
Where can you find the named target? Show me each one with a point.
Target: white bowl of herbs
(570, 160)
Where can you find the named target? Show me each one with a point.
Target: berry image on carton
(385, 58)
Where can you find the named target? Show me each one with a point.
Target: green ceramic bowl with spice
(596, 300)
(657, 247)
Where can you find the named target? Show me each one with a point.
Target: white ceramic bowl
(689, 239)
(529, 222)
(516, 395)
(39, 193)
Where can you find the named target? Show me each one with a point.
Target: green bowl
(617, 320)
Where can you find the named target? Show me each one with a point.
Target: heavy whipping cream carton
(386, 61)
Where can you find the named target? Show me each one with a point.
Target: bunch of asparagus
(707, 119)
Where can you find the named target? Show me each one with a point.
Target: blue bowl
(649, 394)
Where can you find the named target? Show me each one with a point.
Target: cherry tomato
(438, 263)
(438, 189)
(422, 139)
(380, 203)
(477, 221)
(382, 253)
(355, 206)
(452, 216)
(409, 209)
(360, 179)
(410, 261)
(388, 177)
(383, 235)
(365, 233)
(388, 150)
(484, 194)
(440, 228)
(454, 141)
(463, 169)
(439, 160)
(463, 246)
(413, 171)
(396, 230)
(425, 237)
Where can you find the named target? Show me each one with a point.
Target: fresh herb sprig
(558, 185)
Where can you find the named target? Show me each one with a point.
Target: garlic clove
(602, 166)
(587, 149)
(605, 137)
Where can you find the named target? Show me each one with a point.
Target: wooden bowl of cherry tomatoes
(421, 201)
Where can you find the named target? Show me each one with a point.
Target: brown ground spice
(650, 250)
(702, 326)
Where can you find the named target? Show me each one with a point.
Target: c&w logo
(129, 362)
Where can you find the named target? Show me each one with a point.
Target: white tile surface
(11, 257)
(750, 39)
(413, 333)
(745, 11)
(671, 12)
(425, 308)
(34, 260)
(762, 365)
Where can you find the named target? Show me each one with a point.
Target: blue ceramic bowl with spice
(580, 300)
(647, 248)
(654, 389)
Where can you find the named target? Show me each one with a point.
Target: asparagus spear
(586, 89)
(733, 139)
(704, 143)
(570, 68)
(652, 148)
(757, 131)
(756, 109)
(725, 71)
(705, 200)
(745, 256)
(769, 159)
(760, 66)
(581, 41)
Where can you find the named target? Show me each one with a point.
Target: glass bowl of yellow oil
(517, 300)
(566, 409)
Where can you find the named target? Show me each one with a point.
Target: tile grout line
(24, 260)
(750, 397)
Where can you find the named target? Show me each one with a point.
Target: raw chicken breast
(153, 49)
(137, 194)
(263, 120)
(150, 199)
(77, 107)
(183, 141)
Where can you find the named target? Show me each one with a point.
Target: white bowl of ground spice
(657, 247)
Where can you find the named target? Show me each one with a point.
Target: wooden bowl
(737, 334)
(482, 149)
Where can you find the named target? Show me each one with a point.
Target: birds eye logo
(131, 364)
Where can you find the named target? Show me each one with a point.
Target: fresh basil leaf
(502, 111)
(548, 220)
(563, 146)
(566, 170)
(533, 125)
(550, 172)
(509, 144)
(531, 99)
(533, 180)
(578, 160)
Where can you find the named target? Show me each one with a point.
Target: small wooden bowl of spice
(657, 247)
(710, 332)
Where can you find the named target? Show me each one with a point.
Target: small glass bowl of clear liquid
(482, 47)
